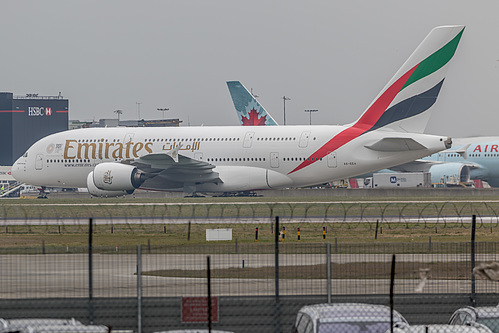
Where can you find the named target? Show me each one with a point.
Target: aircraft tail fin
(249, 111)
(405, 104)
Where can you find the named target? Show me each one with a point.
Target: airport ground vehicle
(42, 325)
(474, 328)
(486, 315)
(345, 317)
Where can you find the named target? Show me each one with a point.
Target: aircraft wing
(167, 171)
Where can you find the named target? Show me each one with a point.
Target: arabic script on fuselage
(105, 150)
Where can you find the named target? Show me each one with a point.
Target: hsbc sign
(37, 111)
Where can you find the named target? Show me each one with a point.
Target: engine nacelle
(450, 173)
(93, 190)
(244, 178)
(117, 177)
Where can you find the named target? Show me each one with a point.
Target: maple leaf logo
(254, 119)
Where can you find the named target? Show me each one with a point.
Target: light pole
(138, 109)
(310, 113)
(284, 99)
(118, 112)
(163, 110)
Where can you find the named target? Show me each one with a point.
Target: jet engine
(113, 179)
(450, 173)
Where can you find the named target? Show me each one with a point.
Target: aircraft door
(248, 139)
(198, 156)
(331, 160)
(274, 160)
(304, 139)
(39, 162)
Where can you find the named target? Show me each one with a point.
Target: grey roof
(42, 325)
(440, 329)
(487, 311)
(350, 312)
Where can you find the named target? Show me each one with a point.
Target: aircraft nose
(18, 169)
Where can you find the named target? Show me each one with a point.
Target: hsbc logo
(37, 111)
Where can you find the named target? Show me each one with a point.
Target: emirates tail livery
(116, 161)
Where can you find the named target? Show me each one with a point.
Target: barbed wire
(421, 214)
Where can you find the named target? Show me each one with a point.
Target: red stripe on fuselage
(365, 123)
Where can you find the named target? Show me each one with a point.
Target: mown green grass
(178, 234)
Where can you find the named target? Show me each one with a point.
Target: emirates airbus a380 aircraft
(116, 161)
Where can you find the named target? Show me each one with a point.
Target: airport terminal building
(26, 119)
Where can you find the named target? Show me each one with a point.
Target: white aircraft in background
(469, 158)
(116, 161)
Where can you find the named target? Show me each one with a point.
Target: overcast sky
(334, 56)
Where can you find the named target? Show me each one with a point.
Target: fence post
(208, 278)
(328, 267)
(90, 275)
(189, 231)
(392, 283)
(472, 248)
(277, 310)
(139, 289)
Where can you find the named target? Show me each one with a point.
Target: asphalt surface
(114, 275)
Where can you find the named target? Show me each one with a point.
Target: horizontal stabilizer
(463, 151)
(396, 144)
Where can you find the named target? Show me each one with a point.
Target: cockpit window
(25, 154)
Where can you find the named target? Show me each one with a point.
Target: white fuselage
(482, 156)
(65, 159)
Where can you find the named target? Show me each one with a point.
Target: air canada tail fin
(405, 104)
(249, 111)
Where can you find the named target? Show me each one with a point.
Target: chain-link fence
(248, 270)
(261, 286)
